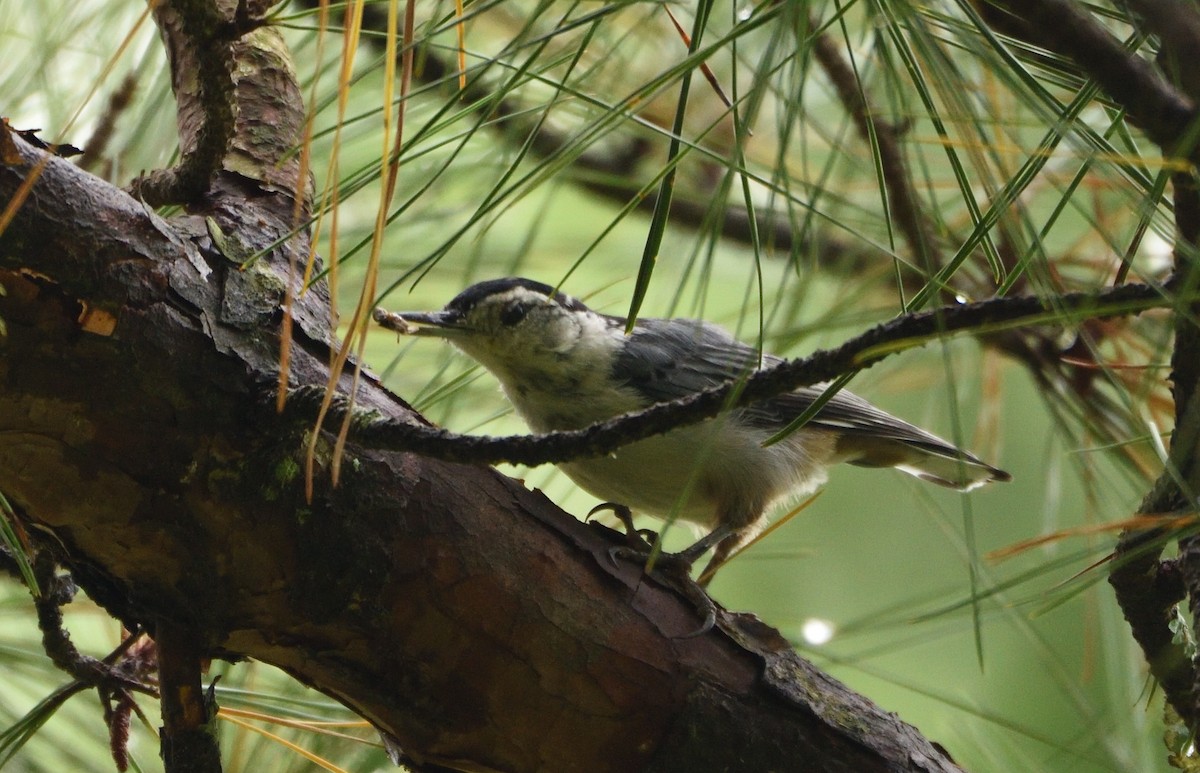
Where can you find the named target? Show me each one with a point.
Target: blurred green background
(1019, 664)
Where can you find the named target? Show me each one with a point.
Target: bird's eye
(514, 313)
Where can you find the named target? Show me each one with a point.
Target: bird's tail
(933, 460)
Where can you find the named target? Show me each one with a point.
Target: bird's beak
(442, 324)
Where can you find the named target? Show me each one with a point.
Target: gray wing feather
(848, 414)
(669, 359)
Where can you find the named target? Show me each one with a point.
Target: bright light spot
(1156, 252)
(744, 13)
(960, 299)
(817, 631)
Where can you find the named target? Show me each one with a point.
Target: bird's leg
(691, 554)
(724, 538)
(725, 548)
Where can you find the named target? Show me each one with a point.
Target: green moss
(286, 470)
(282, 476)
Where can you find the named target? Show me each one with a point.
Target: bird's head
(517, 328)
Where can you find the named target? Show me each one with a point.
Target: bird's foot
(671, 569)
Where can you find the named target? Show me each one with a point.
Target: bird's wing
(667, 360)
(848, 414)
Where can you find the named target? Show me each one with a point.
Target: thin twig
(188, 741)
(190, 28)
(856, 354)
(902, 200)
(56, 591)
(1065, 28)
(118, 102)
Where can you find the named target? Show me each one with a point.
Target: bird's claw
(637, 539)
(621, 512)
(709, 608)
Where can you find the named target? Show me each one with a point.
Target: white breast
(716, 471)
(706, 474)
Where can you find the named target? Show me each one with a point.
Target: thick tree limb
(1064, 27)
(200, 46)
(1176, 23)
(230, 94)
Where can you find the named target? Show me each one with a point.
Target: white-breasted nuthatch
(565, 367)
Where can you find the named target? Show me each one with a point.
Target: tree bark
(472, 621)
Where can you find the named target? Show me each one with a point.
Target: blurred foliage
(1028, 181)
